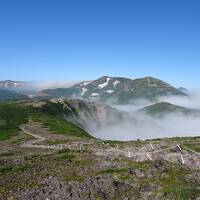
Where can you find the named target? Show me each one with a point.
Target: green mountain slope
(16, 113)
(163, 108)
(146, 88)
(58, 93)
(100, 89)
(9, 95)
(88, 115)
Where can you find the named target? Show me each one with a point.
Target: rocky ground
(37, 164)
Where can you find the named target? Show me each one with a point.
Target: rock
(137, 172)
(1, 197)
(160, 166)
(16, 161)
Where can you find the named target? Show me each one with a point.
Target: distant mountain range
(31, 88)
(8, 84)
(115, 89)
(106, 89)
(8, 90)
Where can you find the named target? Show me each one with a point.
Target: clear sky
(85, 39)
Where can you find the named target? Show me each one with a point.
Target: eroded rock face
(88, 115)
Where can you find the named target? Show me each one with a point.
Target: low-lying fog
(33, 87)
(149, 127)
(146, 127)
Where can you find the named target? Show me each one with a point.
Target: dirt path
(38, 138)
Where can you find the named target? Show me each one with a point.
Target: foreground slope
(93, 169)
(83, 168)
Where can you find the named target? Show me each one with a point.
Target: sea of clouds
(142, 126)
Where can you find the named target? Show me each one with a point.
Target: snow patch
(84, 90)
(115, 83)
(104, 84)
(94, 94)
(85, 83)
(109, 91)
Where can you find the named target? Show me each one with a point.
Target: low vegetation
(13, 114)
(12, 169)
(65, 154)
(113, 171)
(193, 146)
(176, 186)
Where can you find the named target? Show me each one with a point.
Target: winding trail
(37, 137)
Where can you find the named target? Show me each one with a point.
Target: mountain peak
(103, 77)
(152, 80)
(121, 90)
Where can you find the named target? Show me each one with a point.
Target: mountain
(9, 95)
(87, 115)
(182, 89)
(57, 93)
(163, 108)
(9, 84)
(21, 87)
(115, 89)
(104, 90)
(146, 88)
(31, 88)
(72, 117)
(101, 89)
(14, 114)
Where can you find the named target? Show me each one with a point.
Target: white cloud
(36, 86)
(142, 126)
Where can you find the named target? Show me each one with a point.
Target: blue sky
(85, 39)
